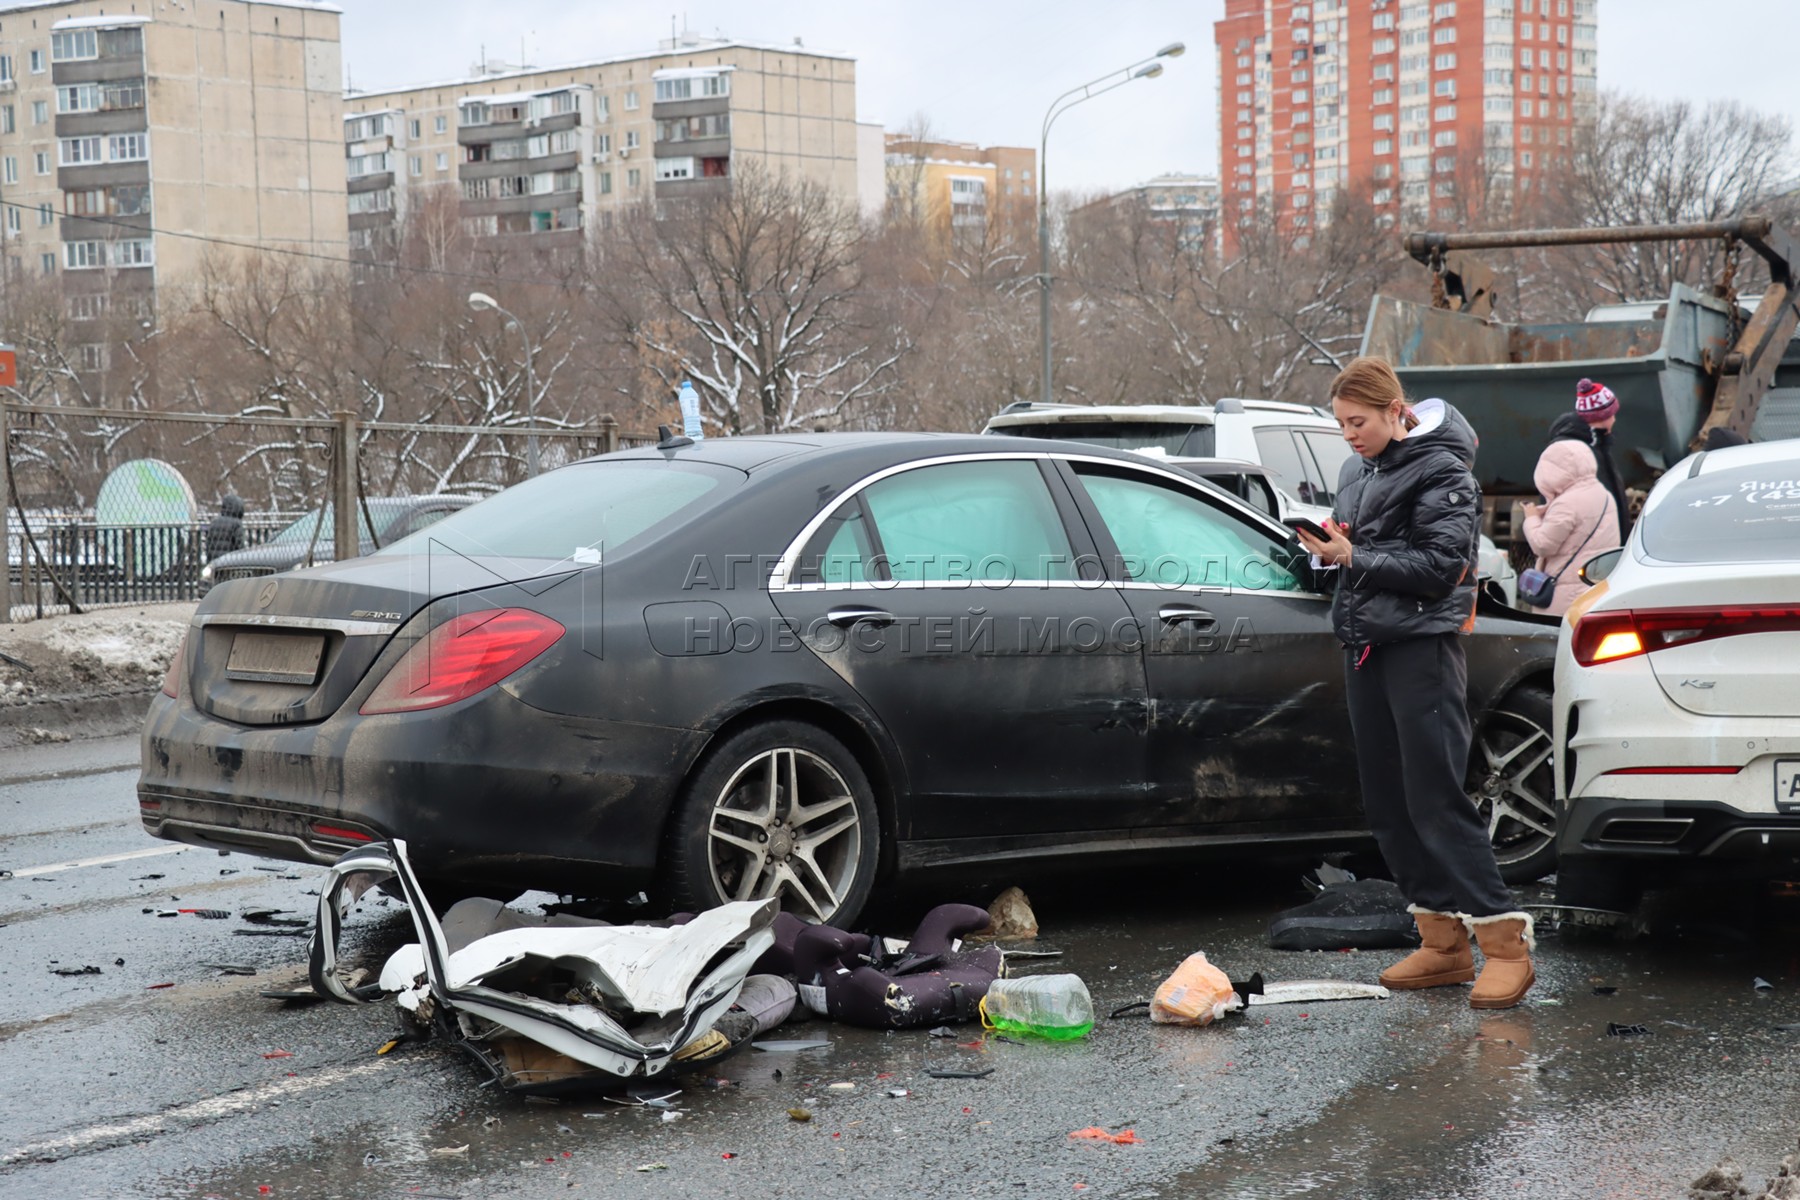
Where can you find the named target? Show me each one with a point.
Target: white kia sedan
(1677, 724)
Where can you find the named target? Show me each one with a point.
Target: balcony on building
(488, 119)
(108, 106)
(692, 149)
(97, 49)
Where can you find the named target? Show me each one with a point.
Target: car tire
(1512, 780)
(819, 860)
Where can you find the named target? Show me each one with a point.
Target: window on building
(1384, 72)
(476, 113)
(83, 256)
(67, 45)
(1382, 45)
(41, 162)
(631, 139)
(1444, 87)
(121, 94)
(416, 166)
(443, 160)
(40, 112)
(89, 306)
(1444, 164)
(1384, 122)
(1444, 137)
(6, 68)
(75, 152)
(1444, 62)
(440, 124)
(133, 252)
(1444, 112)
(1526, 60)
(1525, 134)
(45, 215)
(9, 169)
(1525, 158)
(477, 189)
(415, 129)
(1384, 170)
(606, 183)
(1384, 146)
(7, 122)
(13, 220)
(80, 98)
(37, 60)
(1444, 11)
(633, 178)
(631, 100)
(1382, 96)
(1445, 36)
(1384, 20)
(128, 147)
(683, 168)
(47, 263)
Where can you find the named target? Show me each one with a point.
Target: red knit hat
(1595, 402)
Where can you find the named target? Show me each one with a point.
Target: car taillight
(171, 684)
(1609, 636)
(462, 656)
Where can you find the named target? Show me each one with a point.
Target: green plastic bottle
(1057, 1007)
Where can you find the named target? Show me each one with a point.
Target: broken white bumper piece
(1316, 991)
(639, 995)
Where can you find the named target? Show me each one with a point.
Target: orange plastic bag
(1094, 1133)
(1198, 993)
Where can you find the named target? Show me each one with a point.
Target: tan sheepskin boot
(1506, 943)
(1443, 956)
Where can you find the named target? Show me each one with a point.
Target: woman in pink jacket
(1579, 520)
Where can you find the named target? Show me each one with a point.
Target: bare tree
(751, 293)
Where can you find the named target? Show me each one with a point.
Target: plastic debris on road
(1315, 991)
(1094, 1133)
(552, 1004)
(880, 984)
(1198, 993)
(1614, 1029)
(791, 1047)
(1355, 914)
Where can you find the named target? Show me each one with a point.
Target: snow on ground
(106, 650)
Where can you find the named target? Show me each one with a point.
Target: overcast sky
(985, 70)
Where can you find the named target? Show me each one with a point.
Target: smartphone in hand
(1311, 528)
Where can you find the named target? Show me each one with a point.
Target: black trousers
(1410, 716)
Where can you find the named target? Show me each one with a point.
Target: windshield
(300, 532)
(1192, 441)
(577, 512)
(1746, 514)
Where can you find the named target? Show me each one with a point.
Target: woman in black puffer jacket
(1404, 538)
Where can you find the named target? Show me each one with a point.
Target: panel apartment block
(550, 153)
(134, 137)
(1426, 108)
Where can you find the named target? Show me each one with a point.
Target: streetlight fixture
(481, 302)
(1148, 68)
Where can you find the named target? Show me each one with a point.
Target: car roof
(1032, 412)
(756, 453)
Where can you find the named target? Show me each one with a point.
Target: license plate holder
(275, 658)
(1787, 785)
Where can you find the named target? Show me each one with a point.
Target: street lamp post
(480, 301)
(1148, 68)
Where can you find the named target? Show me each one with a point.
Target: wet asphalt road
(115, 1086)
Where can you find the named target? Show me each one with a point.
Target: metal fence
(110, 506)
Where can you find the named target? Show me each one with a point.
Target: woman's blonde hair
(1371, 382)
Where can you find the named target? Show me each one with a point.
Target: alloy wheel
(785, 825)
(1513, 785)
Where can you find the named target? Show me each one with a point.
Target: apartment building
(959, 188)
(134, 136)
(553, 152)
(1187, 204)
(1426, 108)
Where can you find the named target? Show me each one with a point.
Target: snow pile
(124, 645)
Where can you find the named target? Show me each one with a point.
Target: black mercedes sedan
(793, 666)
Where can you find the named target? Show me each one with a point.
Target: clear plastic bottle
(690, 411)
(1050, 1006)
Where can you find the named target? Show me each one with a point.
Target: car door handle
(1175, 614)
(844, 618)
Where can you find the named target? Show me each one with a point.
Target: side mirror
(1600, 566)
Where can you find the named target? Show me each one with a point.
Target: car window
(301, 532)
(1739, 515)
(849, 549)
(969, 521)
(595, 508)
(1284, 460)
(1172, 537)
(1330, 451)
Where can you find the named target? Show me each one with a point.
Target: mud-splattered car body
(1059, 695)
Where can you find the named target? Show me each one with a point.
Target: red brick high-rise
(1425, 108)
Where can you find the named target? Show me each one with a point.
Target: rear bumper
(489, 791)
(1684, 835)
